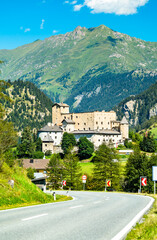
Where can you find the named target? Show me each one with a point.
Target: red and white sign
(64, 182)
(144, 181)
(108, 183)
(84, 177)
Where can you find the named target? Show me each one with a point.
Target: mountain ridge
(61, 63)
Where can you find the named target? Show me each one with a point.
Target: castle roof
(47, 138)
(51, 128)
(61, 104)
(124, 121)
(68, 121)
(97, 132)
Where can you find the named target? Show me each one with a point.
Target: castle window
(64, 117)
(96, 122)
(45, 145)
(101, 122)
(78, 124)
(89, 128)
(84, 129)
(55, 137)
(84, 123)
(69, 129)
(71, 117)
(108, 123)
(76, 116)
(99, 140)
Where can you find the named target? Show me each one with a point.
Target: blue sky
(22, 21)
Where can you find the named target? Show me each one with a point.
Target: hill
(85, 66)
(24, 192)
(140, 110)
(30, 106)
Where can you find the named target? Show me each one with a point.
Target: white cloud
(78, 7)
(73, 2)
(54, 31)
(27, 30)
(42, 24)
(119, 7)
(66, 2)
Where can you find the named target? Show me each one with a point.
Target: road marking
(37, 216)
(133, 222)
(97, 202)
(76, 206)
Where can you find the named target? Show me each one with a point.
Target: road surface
(90, 216)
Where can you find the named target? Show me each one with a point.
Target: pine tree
(106, 167)
(55, 171)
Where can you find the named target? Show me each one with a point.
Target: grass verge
(24, 193)
(148, 229)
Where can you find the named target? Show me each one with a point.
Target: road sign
(84, 181)
(154, 173)
(84, 177)
(64, 182)
(108, 183)
(143, 181)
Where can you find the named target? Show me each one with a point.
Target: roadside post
(143, 182)
(54, 196)
(84, 178)
(154, 177)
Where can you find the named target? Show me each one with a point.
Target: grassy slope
(24, 192)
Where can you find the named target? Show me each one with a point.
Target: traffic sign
(84, 177)
(108, 182)
(143, 181)
(64, 182)
(84, 181)
(154, 173)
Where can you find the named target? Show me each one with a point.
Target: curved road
(90, 216)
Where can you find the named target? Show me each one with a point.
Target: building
(98, 127)
(40, 165)
(51, 136)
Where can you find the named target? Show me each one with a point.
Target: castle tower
(57, 110)
(124, 128)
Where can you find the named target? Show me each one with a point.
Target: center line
(76, 206)
(37, 216)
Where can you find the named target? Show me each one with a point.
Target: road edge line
(38, 205)
(123, 233)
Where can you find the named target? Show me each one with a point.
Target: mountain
(140, 110)
(29, 106)
(90, 69)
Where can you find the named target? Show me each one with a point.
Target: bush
(38, 155)
(48, 153)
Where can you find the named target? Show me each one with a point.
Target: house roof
(35, 163)
(47, 138)
(68, 121)
(100, 132)
(124, 121)
(48, 128)
(61, 104)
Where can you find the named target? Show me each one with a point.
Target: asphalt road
(90, 216)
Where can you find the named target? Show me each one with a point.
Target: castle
(97, 126)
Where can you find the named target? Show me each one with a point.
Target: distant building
(98, 127)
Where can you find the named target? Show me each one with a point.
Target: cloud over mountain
(119, 7)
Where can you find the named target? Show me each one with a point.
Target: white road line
(76, 206)
(133, 222)
(97, 202)
(37, 216)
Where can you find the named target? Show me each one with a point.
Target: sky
(24, 21)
